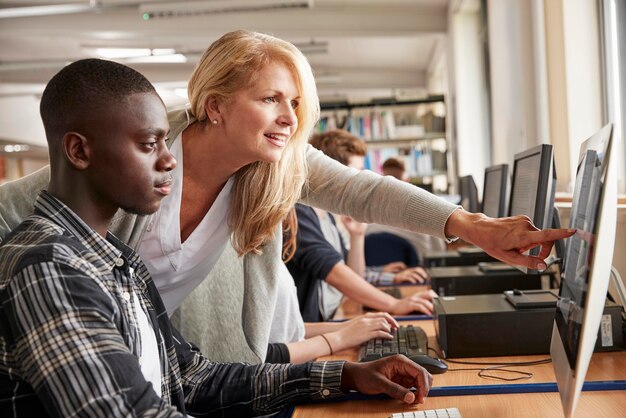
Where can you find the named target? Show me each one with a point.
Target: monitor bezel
(570, 381)
(473, 194)
(502, 198)
(544, 196)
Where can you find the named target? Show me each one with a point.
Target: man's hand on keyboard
(393, 375)
(417, 302)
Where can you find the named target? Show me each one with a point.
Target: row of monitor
(532, 189)
(588, 254)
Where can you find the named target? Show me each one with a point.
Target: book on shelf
(382, 124)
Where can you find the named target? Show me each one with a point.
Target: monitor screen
(469, 194)
(586, 272)
(573, 292)
(533, 186)
(494, 190)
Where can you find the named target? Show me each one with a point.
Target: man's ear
(76, 150)
(212, 108)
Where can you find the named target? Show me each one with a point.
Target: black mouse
(431, 364)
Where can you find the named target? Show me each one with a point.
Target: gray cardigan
(363, 195)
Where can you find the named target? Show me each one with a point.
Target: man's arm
(243, 390)
(67, 346)
(239, 389)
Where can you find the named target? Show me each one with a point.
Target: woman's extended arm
(371, 198)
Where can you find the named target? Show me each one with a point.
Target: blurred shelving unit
(412, 130)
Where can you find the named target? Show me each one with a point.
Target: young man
(83, 331)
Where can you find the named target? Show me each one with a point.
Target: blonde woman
(243, 162)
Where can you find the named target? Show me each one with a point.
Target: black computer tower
(488, 325)
(470, 280)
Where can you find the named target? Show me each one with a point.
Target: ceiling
(358, 48)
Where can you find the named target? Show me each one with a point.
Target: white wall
(518, 97)
(583, 76)
(20, 120)
(469, 100)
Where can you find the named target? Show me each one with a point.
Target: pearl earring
(214, 121)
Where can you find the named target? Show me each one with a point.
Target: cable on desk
(485, 372)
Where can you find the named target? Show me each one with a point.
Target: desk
(454, 258)
(603, 367)
(608, 404)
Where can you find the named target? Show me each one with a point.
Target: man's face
(130, 163)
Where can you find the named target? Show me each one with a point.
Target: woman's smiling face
(260, 119)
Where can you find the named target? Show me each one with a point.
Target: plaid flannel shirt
(70, 343)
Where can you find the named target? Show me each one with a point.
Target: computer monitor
(469, 194)
(586, 273)
(533, 186)
(494, 190)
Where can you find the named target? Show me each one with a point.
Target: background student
(322, 267)
(422, 243)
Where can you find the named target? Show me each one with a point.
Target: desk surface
(524, 405)
(603, 367)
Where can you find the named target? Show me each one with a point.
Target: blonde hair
(263, 193)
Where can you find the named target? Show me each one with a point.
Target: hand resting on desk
(394, 267)
(415, 275)
(393, 375)
(404, 274)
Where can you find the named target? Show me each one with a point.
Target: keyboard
(430, 413)
(391, 291)
(407, 340)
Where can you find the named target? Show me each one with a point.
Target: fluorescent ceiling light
(157, 59)
(191, 8)
(112, 53)
(55, 9)
(16, 148)
(313, 47)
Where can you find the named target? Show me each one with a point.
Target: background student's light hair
(263, 193)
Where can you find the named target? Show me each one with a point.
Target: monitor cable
(497, 367)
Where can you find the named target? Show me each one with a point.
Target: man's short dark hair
(84, 88)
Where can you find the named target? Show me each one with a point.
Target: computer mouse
(431, 364)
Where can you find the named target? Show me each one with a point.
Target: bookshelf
(411, 130)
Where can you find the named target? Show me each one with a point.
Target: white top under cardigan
(178, 268)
